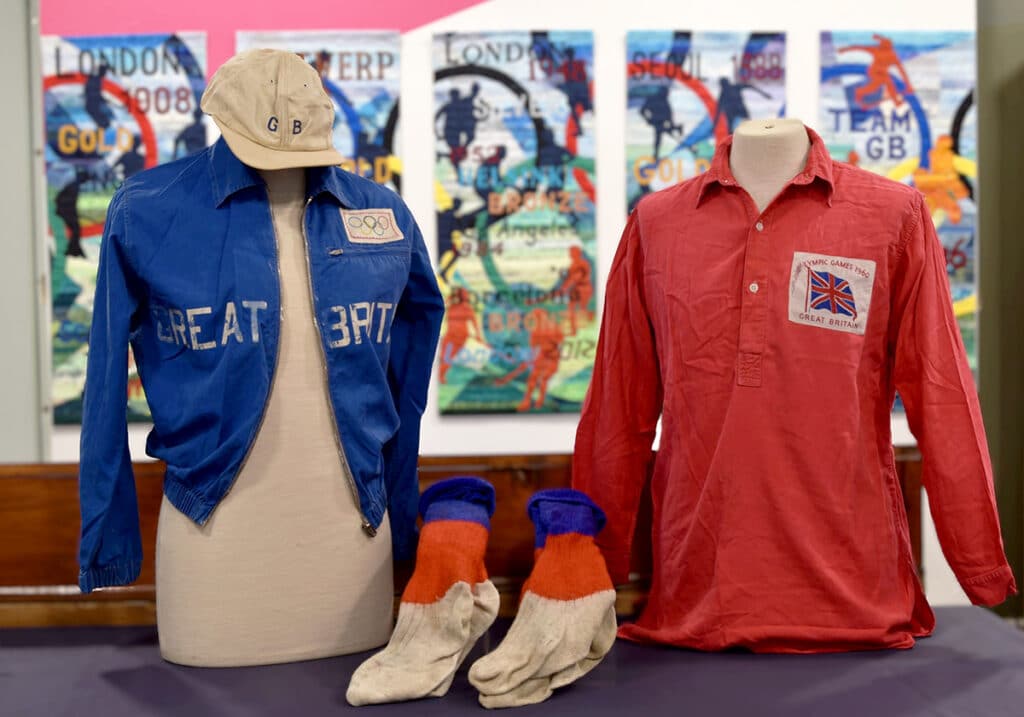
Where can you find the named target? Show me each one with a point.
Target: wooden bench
(39, 525)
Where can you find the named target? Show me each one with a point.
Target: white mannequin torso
(766, 154)
(282, 571)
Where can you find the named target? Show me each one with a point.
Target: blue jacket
(188, 277)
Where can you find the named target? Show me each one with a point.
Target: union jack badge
(831, 292)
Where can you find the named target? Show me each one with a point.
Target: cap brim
(259, 157)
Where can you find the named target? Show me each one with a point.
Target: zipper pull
(369, 529)
(336, 252)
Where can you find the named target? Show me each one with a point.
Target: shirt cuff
(990, 588)
(120, 573)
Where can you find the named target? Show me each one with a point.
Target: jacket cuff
(404, 540)
(990, 588)
(120, 573)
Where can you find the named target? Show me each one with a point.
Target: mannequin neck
(285, 185)
(766, 154)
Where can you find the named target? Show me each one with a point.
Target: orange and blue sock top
(568, 564)
(456, 522)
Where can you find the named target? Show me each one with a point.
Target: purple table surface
(973, 665)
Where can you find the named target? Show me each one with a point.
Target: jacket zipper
(345, 469)
(277, 353)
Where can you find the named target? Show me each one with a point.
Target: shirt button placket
(753, 311)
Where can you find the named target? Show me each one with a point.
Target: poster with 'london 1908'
(360, 71)
(514, 189)
(902, 104)
(114, 105)
(688, 90)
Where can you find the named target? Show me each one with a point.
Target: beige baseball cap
(273, 111)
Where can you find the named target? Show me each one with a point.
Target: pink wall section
(221, 18)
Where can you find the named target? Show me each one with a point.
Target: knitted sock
(566, 619)
(538, 689)
(447, 605)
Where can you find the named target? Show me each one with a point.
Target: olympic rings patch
(371, 226)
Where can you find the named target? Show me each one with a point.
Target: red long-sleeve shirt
(771, 345)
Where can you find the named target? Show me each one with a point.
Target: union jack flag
(828, 292)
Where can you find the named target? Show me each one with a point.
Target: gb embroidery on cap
(273, 123)
(831, 292)
(371, 226)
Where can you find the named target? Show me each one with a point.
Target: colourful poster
(361, 73)
(514, 187)
(114, 105)
(688, 90)
(902, 104)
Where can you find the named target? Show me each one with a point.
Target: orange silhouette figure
(578, 285)
(322, 63)
(546, 344)
(941, 184)
(883, 57)
(134, 387)
(460, 317)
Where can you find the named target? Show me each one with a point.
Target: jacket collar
(819, 166)
(329, 180)
(231, 175)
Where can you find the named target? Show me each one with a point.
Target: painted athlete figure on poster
(114, 106)
(901, 104)
(686, 92)
(515, 222)
(458, 122)
(886, 100)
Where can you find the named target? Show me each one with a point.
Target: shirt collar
(819, 166)
(231, 175)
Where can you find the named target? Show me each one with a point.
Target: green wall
(1001, 254)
